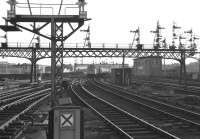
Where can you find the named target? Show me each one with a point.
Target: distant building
(104, 67)
(3, 67)
(193, 67)
(8, 68)
(91, 69)
(48, 69)
(66, 68)
(41, 68)
(173, 73)
(148, 66)
(25, 68)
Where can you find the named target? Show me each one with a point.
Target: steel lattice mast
(57, 35)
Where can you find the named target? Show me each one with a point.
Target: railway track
(13, 96)
(15, 114)
(180, 89)
(126, 124)
(179, 122)
(12, 90)
(171, 81)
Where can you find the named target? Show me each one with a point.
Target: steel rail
(16, 110)
(186, 111)
(17, 92)
(187, 89)
(101, 115)
(24, 99)
(145, 100)
(15, 117)
(12, 90)
(153, 128)
(152, 108)
(4, 93)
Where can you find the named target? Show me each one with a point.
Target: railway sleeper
(11, 129)
(26, 118)
(121, 121)
(7, 112)
(115, 115)
(145, 136)
(16, 124)
(124, 127)
(5, 137)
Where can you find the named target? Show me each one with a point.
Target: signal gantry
(87, 42)
(174, 36)
(136, 38)
(157, 43)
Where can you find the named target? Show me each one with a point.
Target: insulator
(174, 34)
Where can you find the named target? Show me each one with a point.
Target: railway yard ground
(142, 111)
(168, 94)
(94, 128)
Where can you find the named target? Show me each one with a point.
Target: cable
(60, 7)
(29, 7)
(45, 4)
(31, 40)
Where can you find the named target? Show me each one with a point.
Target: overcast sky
(112, 20)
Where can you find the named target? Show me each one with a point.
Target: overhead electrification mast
(57, 35)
